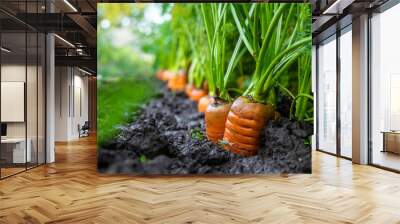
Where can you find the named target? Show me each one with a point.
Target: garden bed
(168, 137)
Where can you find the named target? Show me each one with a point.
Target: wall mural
(220, 88)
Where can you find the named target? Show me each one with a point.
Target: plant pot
(215, 117)
(243, 125)
(177, 82)
(203, 103)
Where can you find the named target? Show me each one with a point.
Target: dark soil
(168, 137)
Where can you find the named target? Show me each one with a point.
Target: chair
(84, 130)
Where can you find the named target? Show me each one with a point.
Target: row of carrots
(237, 61)
(237, 126)
(178, 82)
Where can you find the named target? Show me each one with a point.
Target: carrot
(167, 75)
(244, 130)
(205, 86)
(277, 116)
(177, 82)
(215, 117)
(160, 74)
(196, 94)
(188, 90)
(243, 125)
(203, 103)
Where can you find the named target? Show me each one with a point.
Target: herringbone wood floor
(71, 191)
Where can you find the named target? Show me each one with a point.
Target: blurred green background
(126, 34)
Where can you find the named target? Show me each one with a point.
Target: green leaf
(196, 133)
(241, 30)
(142, 159)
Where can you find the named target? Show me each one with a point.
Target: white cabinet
(18, 149)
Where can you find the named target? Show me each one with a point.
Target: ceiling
(331, 15)
(74, 22)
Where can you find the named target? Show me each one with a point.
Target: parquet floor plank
(71, 191)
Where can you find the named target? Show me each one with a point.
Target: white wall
(12, 73)
(33, 127)
(71, 93)
(314, 90)
(62, 81)
(80, 115)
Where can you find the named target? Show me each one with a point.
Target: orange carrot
(167, 75)
(196, 94)
(177, 82)
(215, 117)
(205, 86)
(203, 103)
(188, 90)
(243, 125)
(160, 74)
